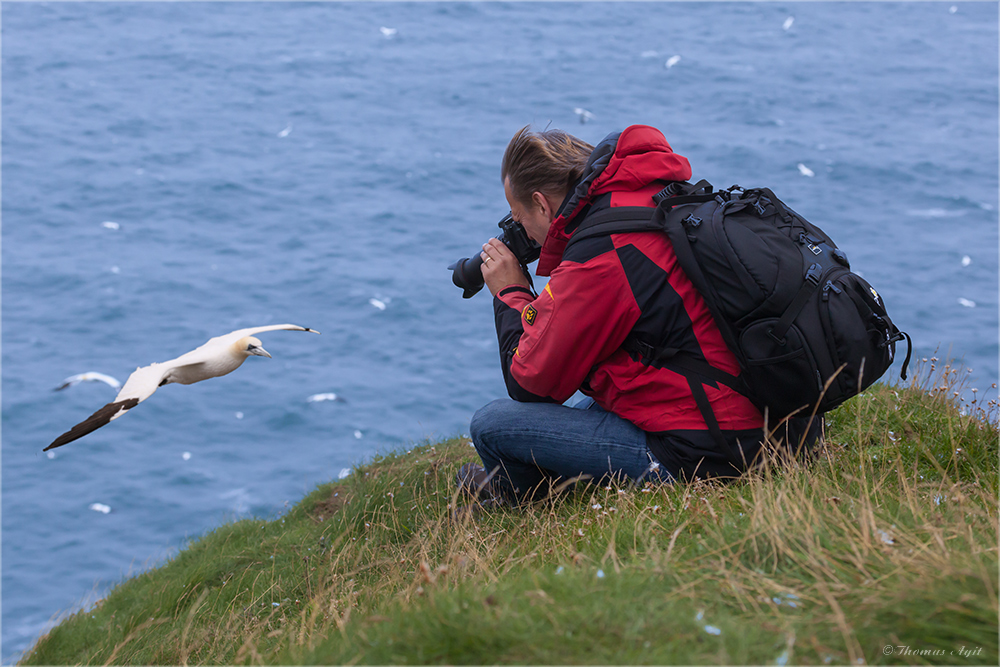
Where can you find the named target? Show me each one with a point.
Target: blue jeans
(535, 445)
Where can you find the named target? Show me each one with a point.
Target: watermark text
(961, 651)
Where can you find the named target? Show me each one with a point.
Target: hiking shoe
(474, 480)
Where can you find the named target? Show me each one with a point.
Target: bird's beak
(259, 351)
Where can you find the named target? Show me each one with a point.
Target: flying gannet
(89, 377)
(219, 356)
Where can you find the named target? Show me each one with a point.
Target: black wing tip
(93, 422)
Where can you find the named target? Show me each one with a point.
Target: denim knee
(489, 417)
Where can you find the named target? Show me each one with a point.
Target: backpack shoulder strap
(617, 220)
(622, 219)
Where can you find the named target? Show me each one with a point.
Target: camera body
(467, 273)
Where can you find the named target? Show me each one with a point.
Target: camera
(467, 273)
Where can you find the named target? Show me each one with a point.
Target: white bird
(316, 398)
(583, 114)
(89, 377)
(217, 357)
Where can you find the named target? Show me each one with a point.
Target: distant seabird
(219, 356)
(316, 398)
(89, 377)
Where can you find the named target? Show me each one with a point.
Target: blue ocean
(174, 171)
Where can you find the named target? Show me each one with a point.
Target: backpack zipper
(827, 288)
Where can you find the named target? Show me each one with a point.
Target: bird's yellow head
(251, 346)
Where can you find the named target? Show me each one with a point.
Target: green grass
(889, 538)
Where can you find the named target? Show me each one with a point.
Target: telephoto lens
(467, 273)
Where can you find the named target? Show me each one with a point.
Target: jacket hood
(622, 162)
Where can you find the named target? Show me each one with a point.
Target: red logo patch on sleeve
(529, 314)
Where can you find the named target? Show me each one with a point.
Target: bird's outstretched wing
(94, 422)
(208, 349)
(139, 386)
(252, 331)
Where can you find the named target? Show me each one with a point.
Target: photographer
(639, 421)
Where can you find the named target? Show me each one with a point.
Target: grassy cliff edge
(882, 550)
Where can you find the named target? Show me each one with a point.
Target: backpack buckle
(691, 221)
(639, 348)
(813, 273)
(759, 207)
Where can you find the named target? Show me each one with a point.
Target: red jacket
(602, 289)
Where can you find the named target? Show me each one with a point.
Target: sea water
(174, 171)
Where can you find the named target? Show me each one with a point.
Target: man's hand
(500, 267)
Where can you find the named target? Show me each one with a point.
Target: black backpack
(807, 332)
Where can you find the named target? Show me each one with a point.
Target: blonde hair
(550, 162)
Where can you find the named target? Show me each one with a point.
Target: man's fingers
(500, 266)
(496, 249)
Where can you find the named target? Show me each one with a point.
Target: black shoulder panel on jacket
(664, 321)
(587, 249)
